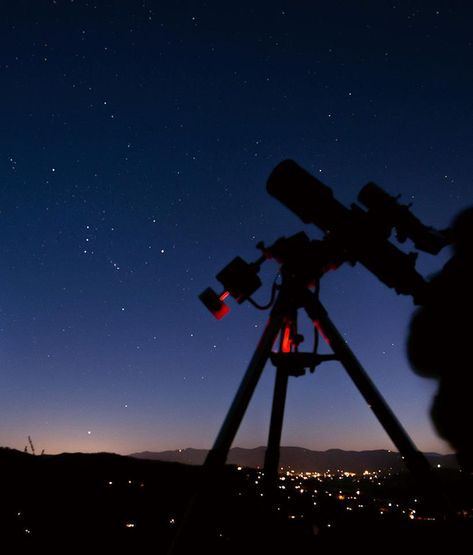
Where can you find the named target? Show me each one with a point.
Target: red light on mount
(215, 302)
(286, 340)
(222, 311)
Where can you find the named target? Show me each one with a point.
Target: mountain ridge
(301, 459)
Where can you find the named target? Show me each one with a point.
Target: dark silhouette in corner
(440, 341)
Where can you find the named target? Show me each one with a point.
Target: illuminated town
(363, 493)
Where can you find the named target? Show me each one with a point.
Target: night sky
(136, 141)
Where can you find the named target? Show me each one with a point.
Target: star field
(136, 143)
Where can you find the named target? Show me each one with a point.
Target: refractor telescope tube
(356, 235)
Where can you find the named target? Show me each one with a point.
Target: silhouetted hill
(61, 502)
(103, 502)
(303, 460)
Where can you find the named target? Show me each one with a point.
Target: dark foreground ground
(104, 503)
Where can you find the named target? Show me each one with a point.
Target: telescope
(351, 235)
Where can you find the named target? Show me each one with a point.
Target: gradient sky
(136, 141)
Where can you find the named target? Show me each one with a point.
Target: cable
(274, 288)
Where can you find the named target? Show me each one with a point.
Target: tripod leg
(413, 458)
(271, 460)
(217, 456)
(219, 452)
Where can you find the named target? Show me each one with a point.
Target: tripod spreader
(295, 364)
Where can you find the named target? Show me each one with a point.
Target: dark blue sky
(136, 141)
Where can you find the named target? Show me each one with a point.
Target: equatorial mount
(307, 259)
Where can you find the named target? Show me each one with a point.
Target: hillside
(102, 502)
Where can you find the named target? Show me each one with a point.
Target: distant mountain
(304, 460)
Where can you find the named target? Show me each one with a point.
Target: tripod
(293, 295)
